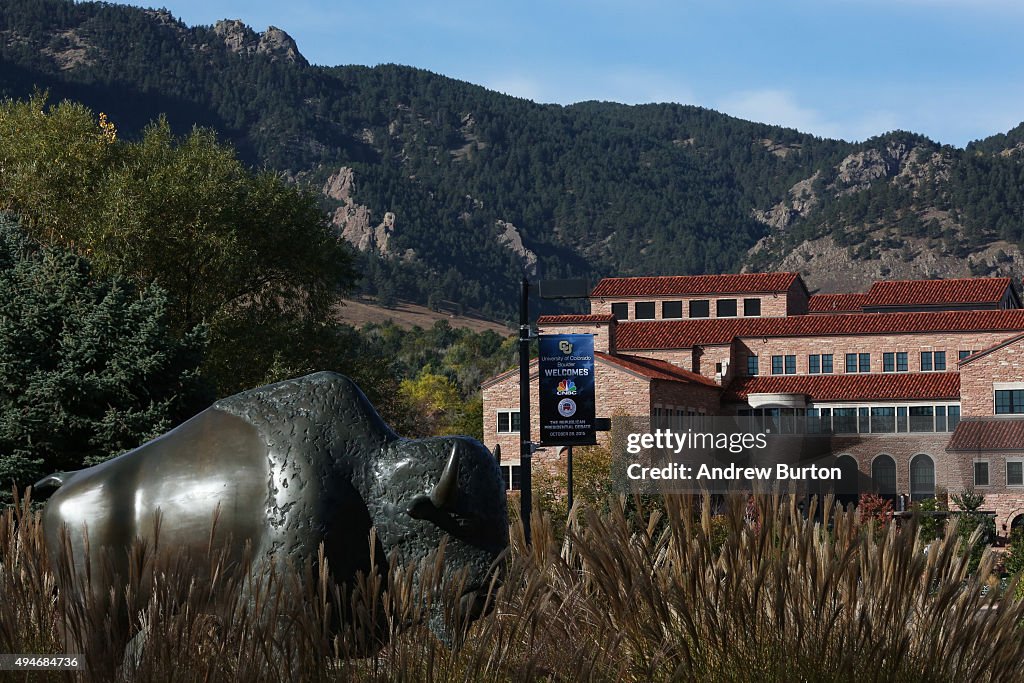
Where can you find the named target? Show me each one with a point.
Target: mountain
(452, 191)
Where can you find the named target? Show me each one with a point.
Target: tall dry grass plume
(625, 595)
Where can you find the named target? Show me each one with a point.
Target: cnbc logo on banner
(566, 386)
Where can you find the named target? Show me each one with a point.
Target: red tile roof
(570, 319)
(835, 303)
(978, 290)
(988, 434)
(681, 334)
(853, 387)
(650, 368)
(656, 369)
(746, 283)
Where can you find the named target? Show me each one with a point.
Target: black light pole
(525, 447)
(568, 471)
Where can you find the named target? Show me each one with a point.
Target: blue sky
(950, 69)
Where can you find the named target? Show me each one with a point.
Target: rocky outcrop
(280, 45)
(828, 267)
(858, 171)
(339, 186)
(241, 39)
(68, 51)
(354, 222)
(897, 161)
(799, 203)
(509, 237)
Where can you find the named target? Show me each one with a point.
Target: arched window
(883, 472)
(922, 477)
(848, 488)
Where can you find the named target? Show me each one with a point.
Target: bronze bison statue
(286, 469)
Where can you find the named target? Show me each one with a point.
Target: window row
(676, 416)
(885, 419)
(854, 420)
(822, 363)
(1014, 473)
(922, 477)
(699, 308)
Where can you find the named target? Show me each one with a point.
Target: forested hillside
(451, 191)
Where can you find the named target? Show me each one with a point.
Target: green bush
(89, 366)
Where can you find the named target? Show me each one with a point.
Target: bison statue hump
(286, 468)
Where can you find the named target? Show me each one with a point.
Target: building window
(1014, 473)
(1009, 402)
(954, 418)
(883, 472)
(510, 473)
(508, 421)
(751, 307)
(858, 362)
(751, 365)
(726, 308)
(671, 309)
(644, 310)
(700, 308)
(783, 365)
(883, 420)
(826, 363)
(844, 420)
(922, 478)
(965, 354)
(718, 368)
(814, 364)
(933, 361)
(894, 362)
(922, 419)
(981, 473)
(620, 311)
(940, 418)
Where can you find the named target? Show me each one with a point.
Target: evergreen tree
(88, 365)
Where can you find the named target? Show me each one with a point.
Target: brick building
(921, 383)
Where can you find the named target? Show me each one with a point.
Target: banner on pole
(566, 386)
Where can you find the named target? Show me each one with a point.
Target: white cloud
(623, 85)
(780, 107)
(517, 86)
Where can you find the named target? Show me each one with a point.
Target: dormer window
(671, 309)
(644, 310)
(726, 308)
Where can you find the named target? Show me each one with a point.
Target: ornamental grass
(762, 591)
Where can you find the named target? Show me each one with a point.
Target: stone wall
(1004, 365)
